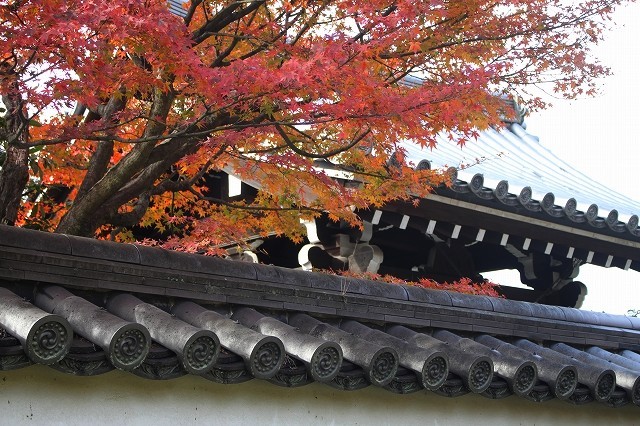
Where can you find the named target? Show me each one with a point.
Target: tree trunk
(90, 212)
(13, 179)
(15, 169)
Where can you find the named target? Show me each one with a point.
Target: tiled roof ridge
(296, 349)
(541, 179)
(103, 265)
(546, 206)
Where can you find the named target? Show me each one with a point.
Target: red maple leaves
(137, 106)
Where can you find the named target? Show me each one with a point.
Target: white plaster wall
(41, 396)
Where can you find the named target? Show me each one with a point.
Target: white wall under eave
(40, 395)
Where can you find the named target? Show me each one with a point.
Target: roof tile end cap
(579, 316)
(419, 294)
(154, 256)
(546, 311)
(506, 306)
(13, 236)
(277, 274)
(105, 250)
(635, 322)
(367, 288)
(611, 320)
(469, 301)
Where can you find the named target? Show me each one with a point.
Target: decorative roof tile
(374, 334)
(510, 166)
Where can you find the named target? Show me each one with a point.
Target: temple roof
(177, 8)
(85, 307)
(508, 190)
(508, 169)
(515, 155)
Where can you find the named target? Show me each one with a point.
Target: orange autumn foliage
(120, 110)
(463, 285)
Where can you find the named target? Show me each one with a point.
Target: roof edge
(95, 265)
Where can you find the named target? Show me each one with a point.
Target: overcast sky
(599, 137)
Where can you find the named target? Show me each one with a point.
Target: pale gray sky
(599, 136)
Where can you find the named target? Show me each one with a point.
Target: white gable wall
(39, 395)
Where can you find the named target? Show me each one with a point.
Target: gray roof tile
(280, 325)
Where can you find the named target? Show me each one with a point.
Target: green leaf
(35, 168)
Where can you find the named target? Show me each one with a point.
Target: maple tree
(116, 113)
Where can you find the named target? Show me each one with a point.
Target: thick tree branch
(99, 162)
(225, 17)
(291, 144)
(81, 220)
(252, 208)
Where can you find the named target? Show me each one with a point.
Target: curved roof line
(514, 155)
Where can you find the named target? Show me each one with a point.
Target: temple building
(511, 204)
(139, 333)
(97, 331)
